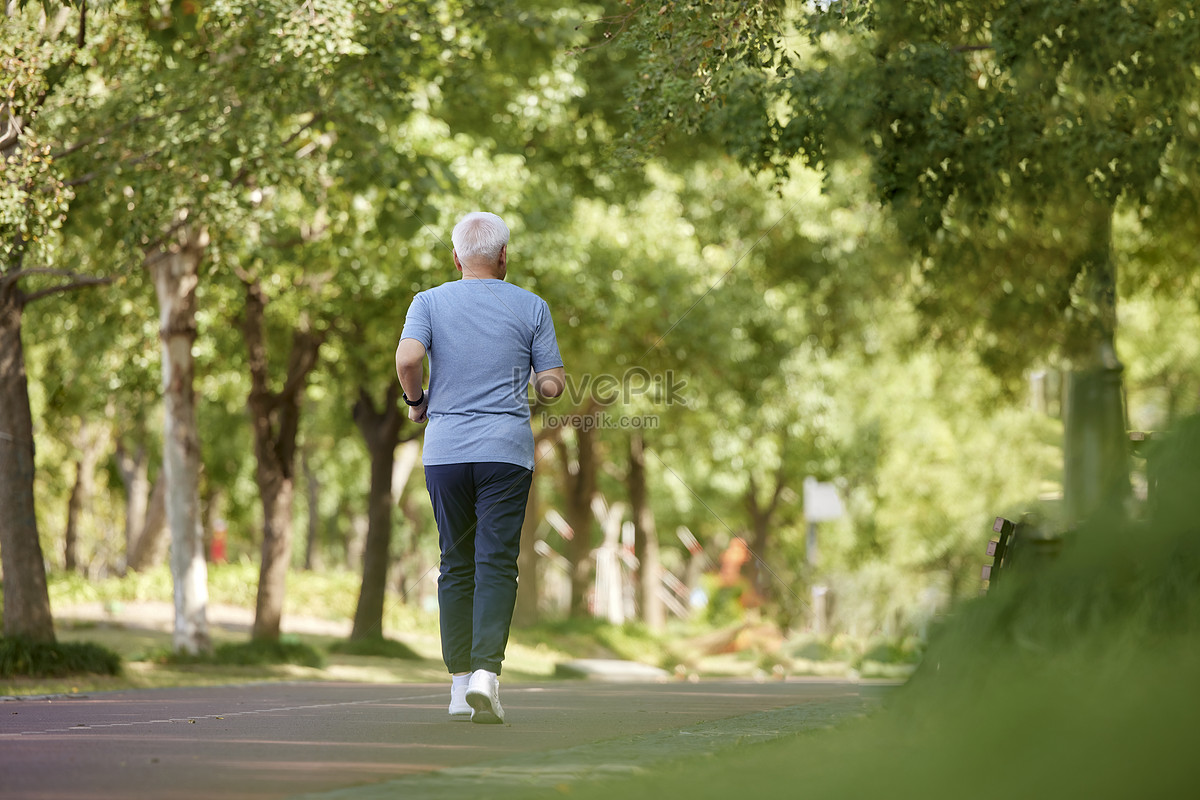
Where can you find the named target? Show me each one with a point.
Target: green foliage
(254, 653)
(1077, 678)
(38, 54)
(375, 646)
(909, 650)
(72, 588)
(593, 638)
(24, 658)
(328, 148)
(994, 134)
(329, 594)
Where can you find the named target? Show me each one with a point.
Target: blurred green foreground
(1076, 678)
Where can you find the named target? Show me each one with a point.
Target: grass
(1072, 678)
(150, 664)
(112, 614)
(592, 638)
(411, 653)
(533, 654)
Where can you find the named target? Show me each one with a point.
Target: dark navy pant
(479, 510)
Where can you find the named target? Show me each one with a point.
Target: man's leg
(452, 493)
(501, 492)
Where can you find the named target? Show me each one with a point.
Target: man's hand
(420, 412)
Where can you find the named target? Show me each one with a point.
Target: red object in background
(732, 560)
(217, 548)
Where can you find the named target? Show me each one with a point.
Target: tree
(645, 541)
(41, 55)
(1003, 135)
(275, 419)
(176, 274)
(202, 112)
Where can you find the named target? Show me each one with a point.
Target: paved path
(356, 741)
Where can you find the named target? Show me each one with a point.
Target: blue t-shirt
(483, 337)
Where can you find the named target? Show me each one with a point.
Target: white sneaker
(459, 708)
(483, 695)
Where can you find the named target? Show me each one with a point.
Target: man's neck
(490, 272)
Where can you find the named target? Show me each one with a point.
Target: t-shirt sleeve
(418, 324)
(545, 345)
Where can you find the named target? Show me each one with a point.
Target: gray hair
(479, 233)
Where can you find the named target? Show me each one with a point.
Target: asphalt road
(357, 741)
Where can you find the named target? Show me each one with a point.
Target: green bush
(597, 638)
(24, 658)
(811, 649)
(375, 646)
(254, 653)
(893, 651)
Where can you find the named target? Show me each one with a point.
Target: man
(478, 333)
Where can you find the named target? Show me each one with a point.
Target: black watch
(416, 402)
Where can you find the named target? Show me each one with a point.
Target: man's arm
(550, 382)
(410, 369)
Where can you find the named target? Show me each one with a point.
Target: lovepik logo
(607, 389)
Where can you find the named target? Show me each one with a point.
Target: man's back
(482, 336)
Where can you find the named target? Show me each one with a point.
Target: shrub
(22, 657)
(375, 646)
(254, 653)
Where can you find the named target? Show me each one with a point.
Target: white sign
(821, 501)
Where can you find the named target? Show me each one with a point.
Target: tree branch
(611, 22)
(122, 163)
(780, 485)
(58, 273)
(17, 274)
(66, 287)
(304, 237)
(12, 130)
(302, 360)
(104, 137)
(160, 252)
(245, 173)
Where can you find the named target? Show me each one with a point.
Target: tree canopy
(837, 241)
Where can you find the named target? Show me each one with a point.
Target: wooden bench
(999, 549)
(1035, 545)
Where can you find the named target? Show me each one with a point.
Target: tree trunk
(415, 568)
(275, 420)
(761, 516)
(134, 469)
(176, 274)
(146, 529)
(74, 510)
(402, 469)
(312, 494)
(1095, 447)
(381, 430)
(580, 479)
(760, 540)
(645, 537)
(26, 598)
(277, 492)
(89, 447)
(150, 544)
